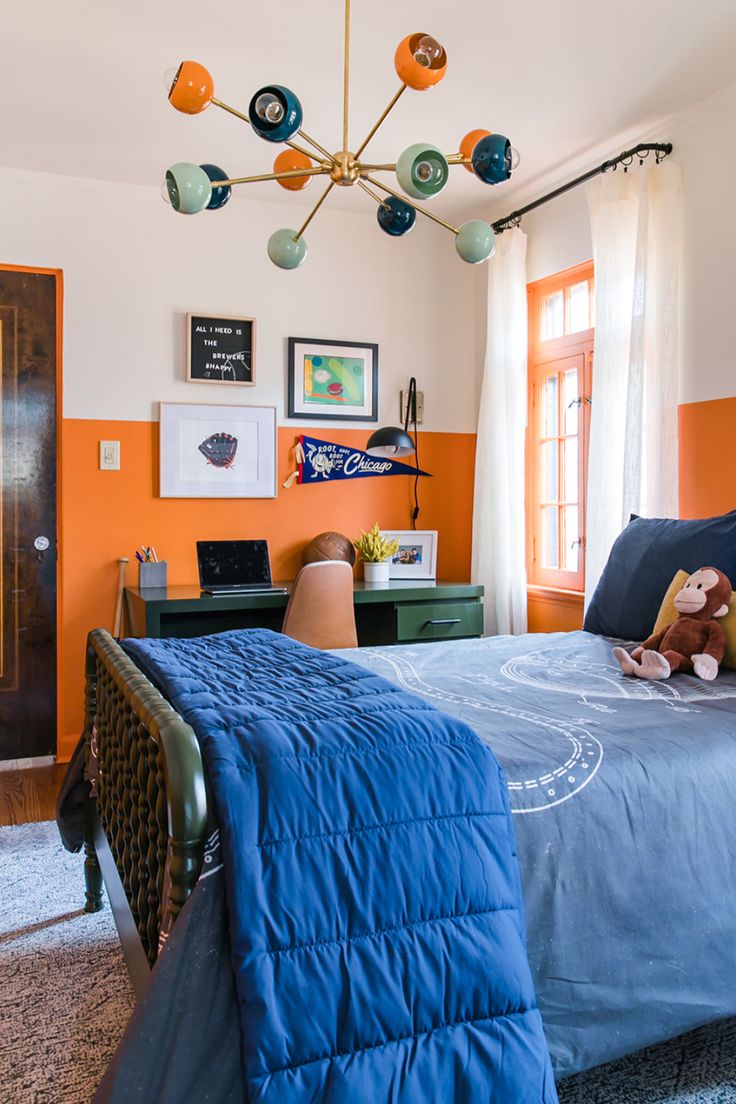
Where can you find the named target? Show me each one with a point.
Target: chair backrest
(320, 610)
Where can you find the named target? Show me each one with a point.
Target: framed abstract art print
(336, 380)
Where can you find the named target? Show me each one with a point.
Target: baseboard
(66, 746)
(26, 764)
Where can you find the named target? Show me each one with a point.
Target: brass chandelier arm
(314, 210)
(421, 210)
(374, 195)
(381, 118)
(300, 149)
(325, 153)
(450, 158)
(290, 175)
(346, 78)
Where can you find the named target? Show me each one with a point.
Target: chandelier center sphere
(346, 169)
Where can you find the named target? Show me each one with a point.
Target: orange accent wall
(706, 489)
(707, 459)
(105, 515)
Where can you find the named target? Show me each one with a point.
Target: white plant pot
(376, 572)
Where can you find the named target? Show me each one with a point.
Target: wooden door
(29, 317)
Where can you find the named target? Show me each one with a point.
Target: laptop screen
(233, 563)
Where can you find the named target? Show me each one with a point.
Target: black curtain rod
(659, 149)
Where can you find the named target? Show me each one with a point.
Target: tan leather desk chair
(320, 610)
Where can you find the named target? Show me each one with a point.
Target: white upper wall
(556, 77)
(704, 146)
(133, 269)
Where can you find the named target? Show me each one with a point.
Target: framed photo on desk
(217, 451)
(416, 556)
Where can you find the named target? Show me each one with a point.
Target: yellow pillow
(667, 614)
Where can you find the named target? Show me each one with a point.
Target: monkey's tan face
(694, 593)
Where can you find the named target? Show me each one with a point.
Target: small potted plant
(375, 550)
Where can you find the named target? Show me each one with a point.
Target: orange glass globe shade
(289, 161)
(468, 144)
(193, 88)
(410, 72)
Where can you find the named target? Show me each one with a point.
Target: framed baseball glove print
(217, 451)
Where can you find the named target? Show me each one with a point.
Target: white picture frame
(416, 557)
(217, 451)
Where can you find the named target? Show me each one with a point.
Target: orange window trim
(544, 356)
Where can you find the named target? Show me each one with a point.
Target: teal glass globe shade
(220, 195)
(395, 217)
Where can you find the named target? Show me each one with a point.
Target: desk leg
(153, 624)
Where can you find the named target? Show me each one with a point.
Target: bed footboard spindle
(92, 873)
(148, 792)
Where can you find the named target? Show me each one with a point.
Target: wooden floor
(28, 795)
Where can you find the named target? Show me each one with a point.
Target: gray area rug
(699, 1068)
(65, 997)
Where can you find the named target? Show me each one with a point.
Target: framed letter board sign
(221, 349)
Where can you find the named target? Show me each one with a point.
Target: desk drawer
(438, 620)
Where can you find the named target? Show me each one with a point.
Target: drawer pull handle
(444, 621)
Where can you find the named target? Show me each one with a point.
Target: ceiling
(84, 93)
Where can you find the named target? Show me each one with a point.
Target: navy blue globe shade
(491, 159)
(396, 217)
(275, 113)
(220, 196)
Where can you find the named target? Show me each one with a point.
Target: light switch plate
(420, 406)
(109, 456)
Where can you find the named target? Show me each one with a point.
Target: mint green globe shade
(422, 171)
(188, 187)
(475, 241)
(284, 251)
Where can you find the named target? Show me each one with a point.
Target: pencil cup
(152, 575)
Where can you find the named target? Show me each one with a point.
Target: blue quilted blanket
(373, 892)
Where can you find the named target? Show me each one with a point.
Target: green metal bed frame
(146, 816)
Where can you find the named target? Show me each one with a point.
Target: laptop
(235, 567)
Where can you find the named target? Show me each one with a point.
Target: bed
(621, 795)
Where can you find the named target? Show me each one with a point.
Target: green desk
(397, 612)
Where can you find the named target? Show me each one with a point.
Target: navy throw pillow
(643, 563)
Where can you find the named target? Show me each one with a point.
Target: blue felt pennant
(322, 461)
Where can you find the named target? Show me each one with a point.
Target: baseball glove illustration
(219, 449)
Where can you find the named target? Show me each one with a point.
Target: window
(561, 325)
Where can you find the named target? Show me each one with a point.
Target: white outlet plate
(420, 406)
(109, 456)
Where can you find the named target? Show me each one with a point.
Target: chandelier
(275, 114)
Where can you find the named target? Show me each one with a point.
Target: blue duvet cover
(624, 795)
(374, 908)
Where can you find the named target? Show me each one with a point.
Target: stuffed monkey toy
(693, 642)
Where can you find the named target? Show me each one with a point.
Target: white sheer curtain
(636, 220)
(499, 556)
